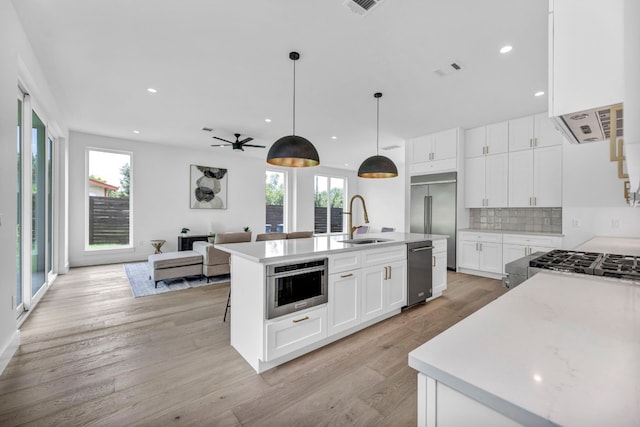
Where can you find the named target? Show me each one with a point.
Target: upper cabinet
(585, 55)
(434, 153)
(486, 140)
(533, 132)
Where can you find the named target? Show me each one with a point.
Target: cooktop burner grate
(621, 266)
(568, 261)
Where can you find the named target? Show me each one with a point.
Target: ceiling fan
(238, 145)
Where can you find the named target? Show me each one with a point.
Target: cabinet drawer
(383, 255)
(532, 240)
(439, 246)
(295, 332)
(481, 237)
(344, 262)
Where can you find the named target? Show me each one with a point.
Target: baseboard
(9, 350)
(487, 274)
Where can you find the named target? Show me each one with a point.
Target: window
(275, 200)
(108, 191)
(329, 196)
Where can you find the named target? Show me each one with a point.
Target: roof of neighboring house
(103, 184)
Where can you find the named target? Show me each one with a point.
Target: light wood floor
(91, 354)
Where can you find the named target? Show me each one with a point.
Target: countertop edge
(490, 400)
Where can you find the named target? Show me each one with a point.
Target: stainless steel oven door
(295, 286)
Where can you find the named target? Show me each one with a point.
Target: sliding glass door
(35, 213)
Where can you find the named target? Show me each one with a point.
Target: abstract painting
(208, 187)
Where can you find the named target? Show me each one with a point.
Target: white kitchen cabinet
(515, 246)
(535, 177)
(295, 332)
(344, 301)
(530, 132)
(439, 267)
(480, 252)
(434, 152)
(579, 31)
(486, 140)
(384, 289)
(486, 181)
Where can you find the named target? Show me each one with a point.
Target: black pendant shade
(292, 150)
(378, 166)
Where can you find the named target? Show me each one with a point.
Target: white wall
(19, 64)
(385, 200)
(160, 195)
(593, 199)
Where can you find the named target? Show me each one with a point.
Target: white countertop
(559, 348)
(277, 250)
(612, 245)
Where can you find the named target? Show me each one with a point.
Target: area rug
(142, 286)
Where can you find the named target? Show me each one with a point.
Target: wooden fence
(108, 220)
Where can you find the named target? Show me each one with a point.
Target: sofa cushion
(174, 259)
(211, 255)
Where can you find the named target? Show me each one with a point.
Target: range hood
(591, 125)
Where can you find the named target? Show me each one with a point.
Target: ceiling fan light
(293, 151)
(378, 167)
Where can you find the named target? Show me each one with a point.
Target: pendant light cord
(377, 126)
(294, 97)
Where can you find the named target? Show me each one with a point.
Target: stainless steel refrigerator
(433, 208)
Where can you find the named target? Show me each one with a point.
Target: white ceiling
(225, 64)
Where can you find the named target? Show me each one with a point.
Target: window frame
(329, 178)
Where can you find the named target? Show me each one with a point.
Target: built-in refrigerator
(433, 208)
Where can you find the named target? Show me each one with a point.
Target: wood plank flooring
(91, 354)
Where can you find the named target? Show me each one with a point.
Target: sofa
(214, 261)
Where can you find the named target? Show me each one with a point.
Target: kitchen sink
(364, 241)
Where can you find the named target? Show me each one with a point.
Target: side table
(157, 244)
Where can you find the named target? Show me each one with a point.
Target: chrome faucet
(350, 213)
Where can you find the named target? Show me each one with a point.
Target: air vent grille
(449, 68)
(605, 119)
(362, 7)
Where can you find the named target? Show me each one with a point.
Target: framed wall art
(208, 187)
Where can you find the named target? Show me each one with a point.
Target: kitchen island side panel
(248, 296)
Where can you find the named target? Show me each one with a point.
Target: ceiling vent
(449, 68)
(362, 7)
(207, 129)
(390, 147)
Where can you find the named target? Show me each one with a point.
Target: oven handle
(296, 272)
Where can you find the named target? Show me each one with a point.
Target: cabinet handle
(346, 275)
(530, 142)
(535, 142)
(535, 201)
(487, 149)
(433, 261)
(386, 274)
(530, 204)
(480, 246)
(301, 320)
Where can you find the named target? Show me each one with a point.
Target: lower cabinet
(481, 251)
(295, 332)
(384, 289)
(344, 305)
(439, 266)
(516, 246)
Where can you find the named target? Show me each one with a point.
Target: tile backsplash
(541, 220)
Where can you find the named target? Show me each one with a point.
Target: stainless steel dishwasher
(419, 272)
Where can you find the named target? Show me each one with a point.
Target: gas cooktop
(568, 261)
(599, 264)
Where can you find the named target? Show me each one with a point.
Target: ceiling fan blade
(251, 145)
(221, 145)
(245, 140)
(221, 139)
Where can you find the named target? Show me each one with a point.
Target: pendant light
(378, 166)
(293, 150)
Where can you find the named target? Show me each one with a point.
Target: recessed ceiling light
(506, 49)
(136, 131)
(267, 120)
(334, 137)
(346, 164)
(152, 90)
(538, 93)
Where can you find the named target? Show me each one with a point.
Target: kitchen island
(366, 284)
(560, 349)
